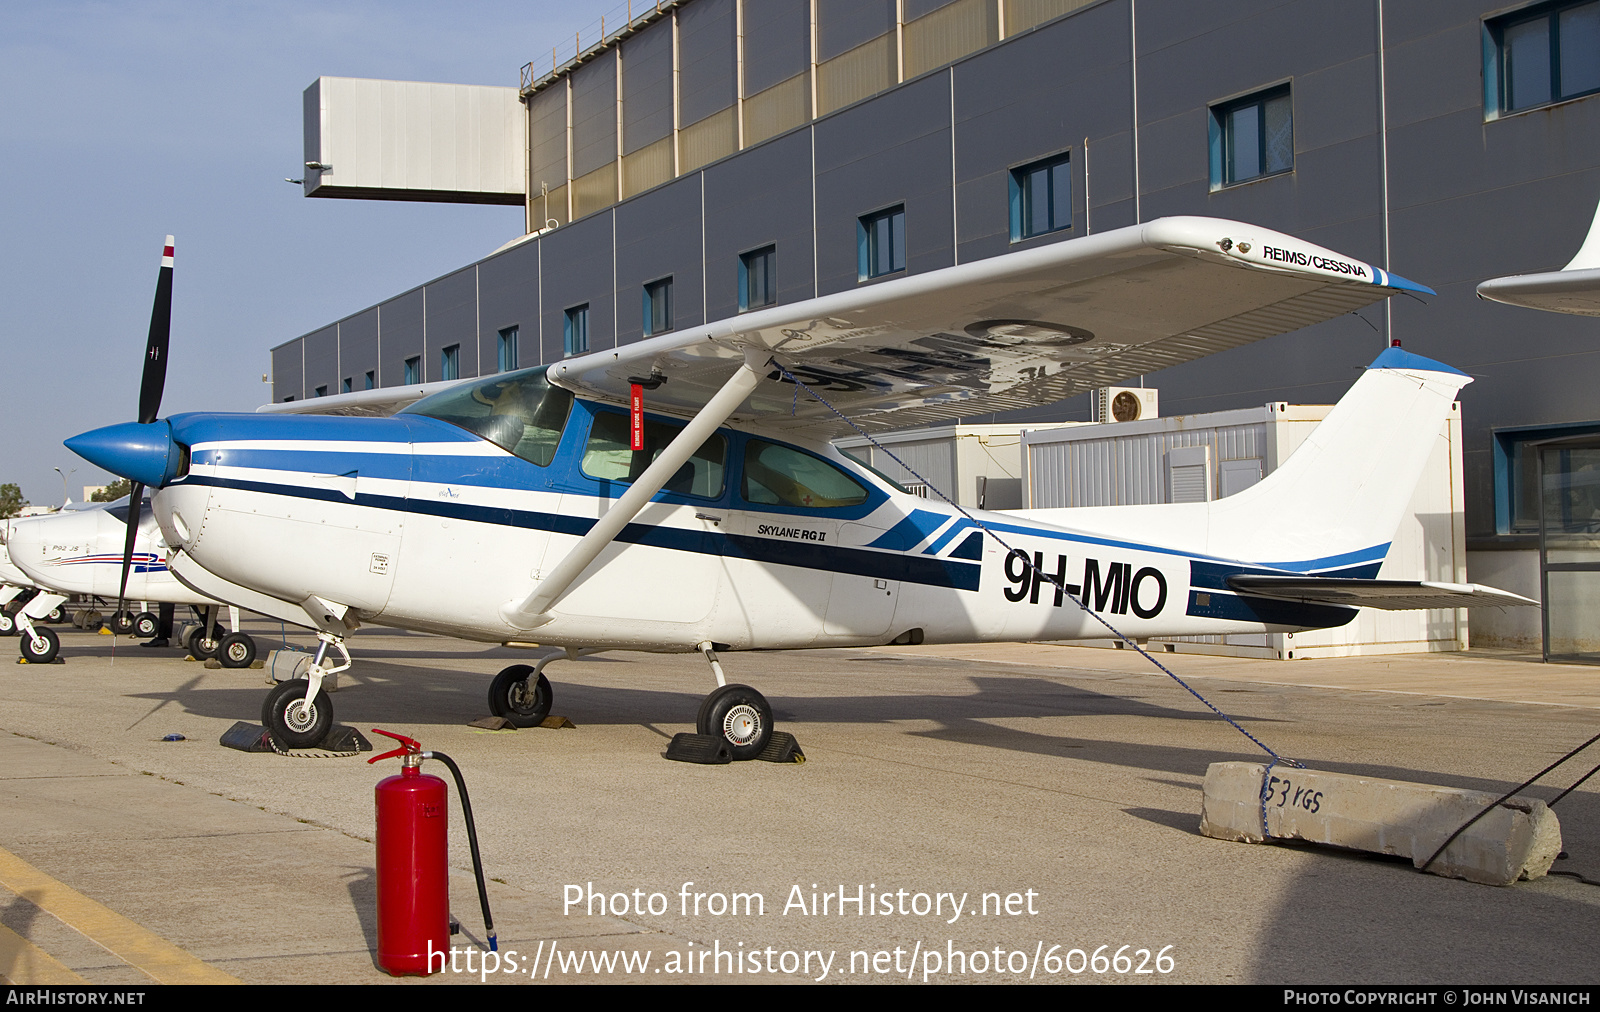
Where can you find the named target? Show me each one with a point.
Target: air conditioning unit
(1125, 404)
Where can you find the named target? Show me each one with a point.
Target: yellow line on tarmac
(140, 948)
(22, 962)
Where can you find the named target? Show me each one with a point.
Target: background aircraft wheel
(8, 625)
(145, 625)
(200, 648)
(741, 716)
(290, 721)
(122, 623)
(52, 646)
(237, 650)
(511, 697)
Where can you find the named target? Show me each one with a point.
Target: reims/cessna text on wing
(533, 505)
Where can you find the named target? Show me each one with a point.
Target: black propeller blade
(155, 349)
(150, 389)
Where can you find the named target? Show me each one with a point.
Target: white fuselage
(412, 522)
(80, 553)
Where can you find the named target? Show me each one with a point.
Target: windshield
(520, 412)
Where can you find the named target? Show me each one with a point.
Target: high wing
(379, 403)
(1387, 595)
(1574, 289)
(1014, 331)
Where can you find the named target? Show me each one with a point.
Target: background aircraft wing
(1389, 595)
(1013, 331)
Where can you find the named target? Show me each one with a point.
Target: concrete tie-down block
(1519, 839)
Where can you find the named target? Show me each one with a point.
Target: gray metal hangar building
(704, 157)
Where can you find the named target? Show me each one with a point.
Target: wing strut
(534, 610)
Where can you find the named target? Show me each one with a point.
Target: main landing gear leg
(737, 714)
(297, 713)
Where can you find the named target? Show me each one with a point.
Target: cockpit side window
(610, 456)
(520, 412)
(776, 475)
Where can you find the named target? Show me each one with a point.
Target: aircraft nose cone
(141, 452)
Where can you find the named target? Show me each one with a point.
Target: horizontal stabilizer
(1574, 289)
(1388, 595)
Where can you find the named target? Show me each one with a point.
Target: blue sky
(125, 122)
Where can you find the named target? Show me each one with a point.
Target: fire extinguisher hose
(472, 839)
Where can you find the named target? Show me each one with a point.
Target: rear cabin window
(520, 412)
(609, 457)
(777, 475)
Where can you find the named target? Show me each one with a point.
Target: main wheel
(201, 648)
(8, 625)
(52, 646)
(290, 720)
(145, 625)
(237, 650)
(122, 623)
(57, 614)
(511, 697)
(740, 716)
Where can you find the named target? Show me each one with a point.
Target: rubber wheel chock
(246, 737)
(782, 748)
(705, 749)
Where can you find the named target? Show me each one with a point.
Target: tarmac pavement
(1057, 786)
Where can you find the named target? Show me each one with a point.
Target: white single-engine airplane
(81, 553)
(535, 505)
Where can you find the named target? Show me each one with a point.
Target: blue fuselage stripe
(879, 565)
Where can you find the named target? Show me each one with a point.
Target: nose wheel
(298, 713)
(40, 645)
(294, 721)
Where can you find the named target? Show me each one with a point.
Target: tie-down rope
(1057, 583)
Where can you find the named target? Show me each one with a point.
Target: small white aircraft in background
(14, 583)
(1574, 289)
(80, 553)
(545, 504)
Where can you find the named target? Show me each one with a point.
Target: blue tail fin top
(1398, 358)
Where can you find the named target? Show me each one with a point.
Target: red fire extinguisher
(413, 875)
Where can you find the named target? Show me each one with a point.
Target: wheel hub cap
(300, 715)
(742, 725)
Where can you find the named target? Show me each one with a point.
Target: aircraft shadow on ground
(1356, 917)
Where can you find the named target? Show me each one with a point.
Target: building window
(1252, 137)
(1516, 472)
(1041, 198)
(758, 278)
(346, 385)
(575, 330)
(371, 380)
(413, 370)
(881, 243)
(658, 307)
(1541, 55)
(506, 350)
(322, 391)
(450, 362)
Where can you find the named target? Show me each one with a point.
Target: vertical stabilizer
(1341, 495)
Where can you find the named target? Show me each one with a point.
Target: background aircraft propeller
(150, 389)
